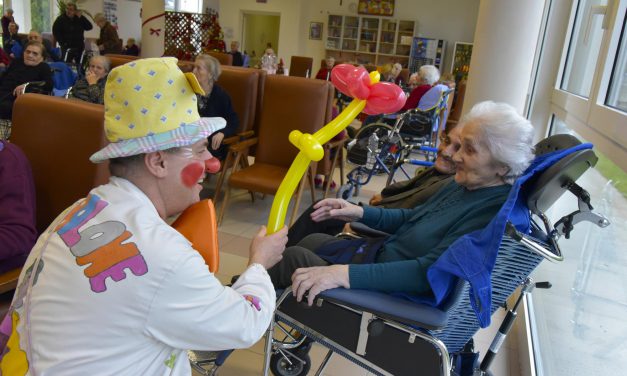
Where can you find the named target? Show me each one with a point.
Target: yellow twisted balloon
(310, 147)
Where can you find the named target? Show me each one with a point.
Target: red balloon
(385, 98)
(352, 81)
(212, 165)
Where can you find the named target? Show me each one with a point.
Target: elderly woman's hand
(317, 279)
(216, 140)
(19, 90)
(91, 78)
(338, 209)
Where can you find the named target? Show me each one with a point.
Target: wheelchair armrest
(363, 230)
(388, 307)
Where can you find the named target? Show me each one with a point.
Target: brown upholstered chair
(224, 59)
(404, 75)
(300, 66)
(58, 136)
(241, 85)
(117, 59)
(288, 103)
(456, 111)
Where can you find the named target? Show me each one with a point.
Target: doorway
(258, 31)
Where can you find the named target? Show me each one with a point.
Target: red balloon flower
(381, 97)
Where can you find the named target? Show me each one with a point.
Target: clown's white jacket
(120, 292)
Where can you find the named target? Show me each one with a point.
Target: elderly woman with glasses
(495, 149)
(215, 103)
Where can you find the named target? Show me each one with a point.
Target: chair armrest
(230, 140)
(244, 145)
(363, 230)
(246, 134)
(383, 305)
(238, 137)
(338, 143)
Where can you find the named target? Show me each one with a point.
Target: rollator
(388, 334)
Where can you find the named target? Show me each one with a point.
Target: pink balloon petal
(385, 98)
(352, 81)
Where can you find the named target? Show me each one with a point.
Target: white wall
(452, 20)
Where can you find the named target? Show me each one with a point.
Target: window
(617, 96)
(579, 325)
(191, 6)
(583, 53)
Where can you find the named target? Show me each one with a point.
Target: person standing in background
(69, 29)
(7, 18)
(109, 41)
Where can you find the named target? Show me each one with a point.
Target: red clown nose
(212, 165)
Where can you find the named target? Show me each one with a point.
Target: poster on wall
(376, 7)
(110, 8)
(426, 51)
(461, 60)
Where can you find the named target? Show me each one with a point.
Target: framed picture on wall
(376, 7)
(461, 60)
(315, 30)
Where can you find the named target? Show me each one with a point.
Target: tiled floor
(242, 220)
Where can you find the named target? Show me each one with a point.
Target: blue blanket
(472, 256)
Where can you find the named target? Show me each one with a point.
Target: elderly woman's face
(202, 73)
(476, 168)
(449, 145)
(97, 68)
(33, 56)
(12, 28)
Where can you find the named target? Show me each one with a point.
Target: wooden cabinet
(369, 40)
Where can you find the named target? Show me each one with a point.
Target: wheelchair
(383, 149)
(386, 334)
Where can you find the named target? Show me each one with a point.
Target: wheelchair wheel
(345, 192)
(279, 366)
(394, 143)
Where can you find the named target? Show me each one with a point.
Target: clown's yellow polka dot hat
(150, 105)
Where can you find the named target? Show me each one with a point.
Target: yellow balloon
(310, 147)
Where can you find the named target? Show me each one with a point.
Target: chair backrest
(117, 60)
(456, 112)
(432, 97)
(300, 66)
(404, 75)
(449, 104)
(290, 103)
(62, 75)
(58, 136)
(224, 59)
(241, 85)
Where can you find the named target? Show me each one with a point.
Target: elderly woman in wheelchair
(29, 72)
(495, 149)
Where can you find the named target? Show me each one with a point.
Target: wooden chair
(456, 111)
(288, 103)
(300, 66)
(58, 136)
(118, 59)
(223, 58)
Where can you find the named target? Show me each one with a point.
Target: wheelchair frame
(386, 154)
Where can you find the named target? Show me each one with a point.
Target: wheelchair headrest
(433, 97)
(548, 186)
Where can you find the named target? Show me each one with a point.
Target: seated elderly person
(392, 74)
(13, 39)
(49, 53)
(495, 149)
(428, 76)
(91, 87)
(215, 103)
(325, 73)
(402, 195)
(17, 200)
(19, 73)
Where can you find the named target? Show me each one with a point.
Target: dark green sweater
(422, 234)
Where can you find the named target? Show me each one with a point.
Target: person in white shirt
(117, 291)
